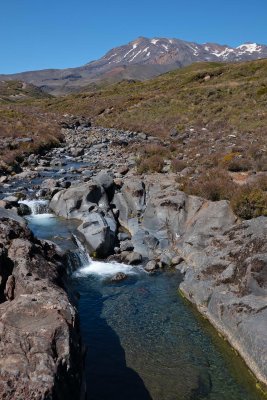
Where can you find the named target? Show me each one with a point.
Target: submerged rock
(120, 276)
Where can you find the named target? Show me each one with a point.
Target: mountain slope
(140, 59)
(219, 98)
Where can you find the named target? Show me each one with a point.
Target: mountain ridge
(140, 59)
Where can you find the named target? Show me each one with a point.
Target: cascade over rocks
(40, 353)
(89, 203)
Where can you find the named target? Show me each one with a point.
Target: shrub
(214, 184)
(238, 165)
(249, 202)
(154, 163)
(178, 165)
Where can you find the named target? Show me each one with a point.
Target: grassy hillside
(16, 91)
(211, 118)
(24, 127)
(213, 95)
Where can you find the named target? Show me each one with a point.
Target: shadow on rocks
(107, 375)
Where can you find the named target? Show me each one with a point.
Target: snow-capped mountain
(140, 59)
(174, 51)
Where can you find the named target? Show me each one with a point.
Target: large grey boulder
(75, 202)
(105, 179)
(89, 203)
(97, 235)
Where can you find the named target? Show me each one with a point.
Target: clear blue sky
(37, 34)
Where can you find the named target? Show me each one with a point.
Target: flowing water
(143, 340)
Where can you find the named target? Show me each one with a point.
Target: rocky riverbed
(147, 221)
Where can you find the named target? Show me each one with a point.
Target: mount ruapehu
(140, 59)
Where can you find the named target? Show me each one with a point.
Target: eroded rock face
(40, 354)
(158, 215)
(227, 280)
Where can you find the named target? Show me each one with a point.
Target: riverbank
(41, 354)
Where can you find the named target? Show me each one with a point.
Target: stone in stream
(133, 258)
(151, 266)
(120, 276)
(23, 210)
(126, 245)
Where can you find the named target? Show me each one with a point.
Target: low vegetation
(210, 120)
(248, 200)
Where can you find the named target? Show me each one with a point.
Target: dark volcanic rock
(40, 354)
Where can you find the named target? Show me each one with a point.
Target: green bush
(249, 202)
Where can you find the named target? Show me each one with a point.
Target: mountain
(140, 59)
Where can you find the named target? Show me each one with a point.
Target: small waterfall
(37, 207)
(81, 264)
(82, 252)
(79, 258)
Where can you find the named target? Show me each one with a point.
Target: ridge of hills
(140, 59)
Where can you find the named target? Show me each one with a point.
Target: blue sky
(37, 34)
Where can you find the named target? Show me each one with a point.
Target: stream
(143, 340)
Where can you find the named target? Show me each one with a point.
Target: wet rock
(133, 258)
(127, 245)
(120, 276)
(151, 266)
(23, 210)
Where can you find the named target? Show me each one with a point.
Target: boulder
(96, 235)
(133, 258)
(120, 276)
(105, 179)
(75, 201)
(151, 266)
(127, 245)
